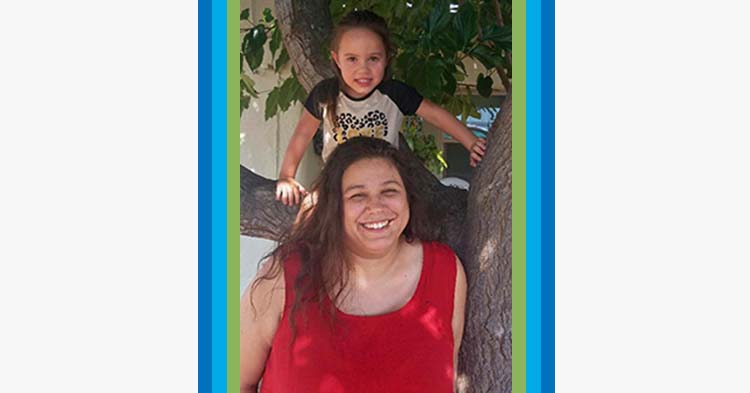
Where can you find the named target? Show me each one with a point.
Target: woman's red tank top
(407, 350)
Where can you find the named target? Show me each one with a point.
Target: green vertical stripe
(519, 196)
(233, 197)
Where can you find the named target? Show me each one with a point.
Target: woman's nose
(375, 203)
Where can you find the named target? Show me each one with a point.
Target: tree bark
(485, 358)
(305, 29)
(261, 215)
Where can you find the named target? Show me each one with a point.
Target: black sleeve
(312, 104)
(315, 98)
(406, 97)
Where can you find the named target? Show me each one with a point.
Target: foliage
(432, 39)
(423, 145)
(252, 53)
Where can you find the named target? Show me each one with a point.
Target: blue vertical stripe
(219, 196)
(548, 196)
(533, 196)
(204, 196)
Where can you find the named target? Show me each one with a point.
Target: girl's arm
(288, 190)
(260, 313)
(445, 121)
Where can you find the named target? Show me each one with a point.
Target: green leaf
(490, 58)
(247, 51)
(454, 105)
(267, 15)
(272, 103)
(450, 82)
(439, 18)
(466, 23)
(299, 92)
(244, 103)
(245, 14)
(248, 85)
(337, 9)
(401, 65)
(463, 68)
(447, 41)
(258, 36)
(282, 60)
(381, 8)
(286, 93)
(275, 41)
(502, 37)
(252, 46)
(440, 158)
(416, 75)
(468, 108)
(484, 85)
(254, 58)
(433, 85)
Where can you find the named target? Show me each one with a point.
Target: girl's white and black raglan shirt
(377, 115)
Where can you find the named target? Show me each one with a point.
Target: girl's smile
(361, 57)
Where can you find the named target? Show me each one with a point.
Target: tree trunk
(485, 359)
(477, 224)
(305, 28)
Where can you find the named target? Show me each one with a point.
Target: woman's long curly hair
(318, 238)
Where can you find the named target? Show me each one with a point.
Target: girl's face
(361, 57)
(376, 209)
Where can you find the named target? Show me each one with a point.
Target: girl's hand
(289, 192)
(476, 151)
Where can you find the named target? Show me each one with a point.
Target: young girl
(362, 100)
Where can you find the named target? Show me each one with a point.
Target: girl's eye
(351, 59)
(374, 58)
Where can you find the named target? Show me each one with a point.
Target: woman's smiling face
(375, 205)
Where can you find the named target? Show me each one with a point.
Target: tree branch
(261, 215)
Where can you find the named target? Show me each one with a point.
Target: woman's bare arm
(260, 314)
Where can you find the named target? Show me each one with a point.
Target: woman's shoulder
(264, 298)
(272, 278)
(439, 248)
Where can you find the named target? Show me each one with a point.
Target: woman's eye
(390, 192)
(357, 197)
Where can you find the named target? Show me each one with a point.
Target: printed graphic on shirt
(374, 124)
(378, 115)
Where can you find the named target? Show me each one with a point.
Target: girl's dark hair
(356, 19)
(317, 238)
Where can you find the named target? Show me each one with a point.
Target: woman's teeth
(376, 225)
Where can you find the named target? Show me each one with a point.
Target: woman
(357, 298)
